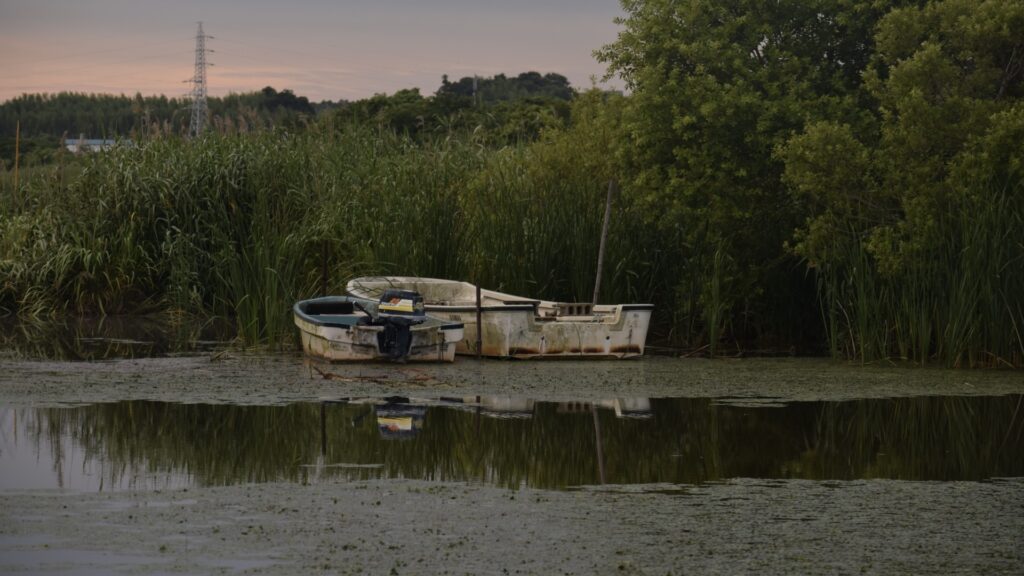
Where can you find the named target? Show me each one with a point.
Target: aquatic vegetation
(241, 226)
(958, 303)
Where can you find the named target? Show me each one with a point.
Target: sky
(321, 49)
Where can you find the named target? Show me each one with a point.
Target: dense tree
(927, 209)
(94, 115)
(878, 142)
(505, 110)
(107, 116)
(716, 87)
(502, 88)
(942, 77)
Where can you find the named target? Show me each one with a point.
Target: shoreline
(287, 378)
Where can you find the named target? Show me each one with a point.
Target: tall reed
(240, 226)
(961, 304)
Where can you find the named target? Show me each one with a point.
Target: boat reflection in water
(400, 421)
(509, 441)
(623, 407)
(403, 417)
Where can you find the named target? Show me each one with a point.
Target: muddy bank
(411, 527)
(281, 379)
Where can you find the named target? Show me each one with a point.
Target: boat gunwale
(431, 322)
(335, 319)
(514, 302)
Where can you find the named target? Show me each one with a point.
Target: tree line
(510, 107)
(862, 158)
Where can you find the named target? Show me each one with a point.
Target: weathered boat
(518, 327)
(394, 327)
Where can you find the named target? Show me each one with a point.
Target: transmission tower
(199, 111)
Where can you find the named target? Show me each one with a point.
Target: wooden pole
(604, 237)
(479, 325)
(17, 144)
(323, 268)
(323, 429)
(597, 442)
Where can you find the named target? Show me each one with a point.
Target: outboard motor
(397, 311)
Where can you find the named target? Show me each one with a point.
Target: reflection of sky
(31, 462)
(320, 49)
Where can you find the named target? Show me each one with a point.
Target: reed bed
(240, 226)
(960, 304)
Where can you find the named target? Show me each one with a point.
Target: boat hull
(432, 341)
(521, 334)
(513, 327)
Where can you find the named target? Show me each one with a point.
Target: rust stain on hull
(628, 349)
(523, 352)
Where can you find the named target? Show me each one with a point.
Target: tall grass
(240, 226)
(961, 304)
(526, 214)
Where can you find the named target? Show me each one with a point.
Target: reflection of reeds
(940, 438)
(685, 441)
(214, 445)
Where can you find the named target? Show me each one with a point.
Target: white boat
(517, 327)
(340, 328)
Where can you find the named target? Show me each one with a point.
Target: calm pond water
(508, 442)
(498, 440)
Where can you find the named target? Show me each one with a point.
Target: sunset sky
(325, 50)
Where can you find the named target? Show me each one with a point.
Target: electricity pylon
(199, 110)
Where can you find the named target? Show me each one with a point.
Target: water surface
(508, 441)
